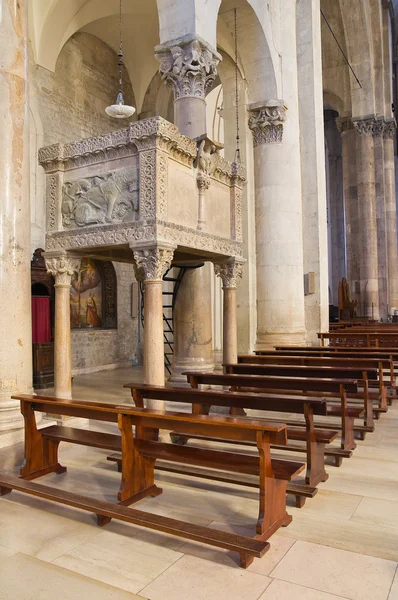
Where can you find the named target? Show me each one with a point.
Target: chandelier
(120, 110)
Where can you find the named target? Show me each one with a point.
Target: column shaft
(368, 262)
(381, 223)
(15, 315)
(153, 333)
(230, 332)
(391, 219)
(62, 344)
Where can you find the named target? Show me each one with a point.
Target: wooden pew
(309, 372)
(363, 339)
(203, 400)
(331, 361)
(139, 454)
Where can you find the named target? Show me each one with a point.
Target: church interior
(199, 299)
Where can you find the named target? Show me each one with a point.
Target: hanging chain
(237, 151)
(120, 55)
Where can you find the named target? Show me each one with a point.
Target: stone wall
(69, 105)
(95, 349)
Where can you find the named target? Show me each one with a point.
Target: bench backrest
(222, 426)
(302, 371)
(320, 361)
(249, 400)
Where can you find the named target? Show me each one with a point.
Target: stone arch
(256, 60)
(158, 100)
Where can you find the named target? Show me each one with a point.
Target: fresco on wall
(86, 296)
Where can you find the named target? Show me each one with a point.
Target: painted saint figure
(92, 317)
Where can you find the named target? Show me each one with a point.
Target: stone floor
(341, 544)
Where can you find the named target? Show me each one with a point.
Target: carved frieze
(266, 122)
(153, 262)
(365, 126)
(111, 197)
(230, 273)
(62, 267)
(189, 68)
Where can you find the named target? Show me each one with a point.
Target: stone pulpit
(144, 194)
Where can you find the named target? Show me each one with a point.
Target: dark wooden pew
(332, 361)
(357, 338)
(139, 453)
(309, 372)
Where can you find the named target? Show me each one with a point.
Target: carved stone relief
(390, 128)
(152, 262)
(109, 198)
(190, 68)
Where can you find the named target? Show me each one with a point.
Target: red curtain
(41, 324)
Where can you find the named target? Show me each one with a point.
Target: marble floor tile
(338, 572)
(6, 552)
(377, 512)
(193, 578)
(27, 578)
(282, 590)
(393, 595)
(41, 528)
(119, 560)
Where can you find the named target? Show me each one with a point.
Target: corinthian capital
(189, 67)
(390, 127)
(366, 126)
(151, 263)
(230, 273)
(61, 266)
(266, 122)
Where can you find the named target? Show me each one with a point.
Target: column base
(200, 365)
(268, 340)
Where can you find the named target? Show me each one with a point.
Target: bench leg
(347, 433)
(272, 502)
(138, 472)
(315, 464)
(41, 454)
(4, 491)
(338, 461)
(300, 501)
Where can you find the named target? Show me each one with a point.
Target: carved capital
(266, 122)
(344, 124)
(62, 267)
(203, 182)
(151, 263)
(365, 126)
(390, 128)
(230, 273)
(188, 67)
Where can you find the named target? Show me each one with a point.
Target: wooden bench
(380, 397)
(329, 373)
(362, 339)
(203, 400)
(292, 389)
(138, 463)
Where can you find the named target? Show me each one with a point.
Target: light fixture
(120, 110)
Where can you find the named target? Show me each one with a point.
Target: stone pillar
(391, 215)
(150, 265)
(353, 228)
(368, 262)
(189, 67)
(381, 217)
(193, 325)
(61, 266)
(279, 243)
(15, 316)
(229, 272)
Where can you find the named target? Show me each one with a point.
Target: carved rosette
(390, 127)
(62, 268)
(151, 263)
(230, 273)
(188, 68)
(266, 122)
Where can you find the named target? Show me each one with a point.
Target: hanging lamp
(120, 110)
(237, 160)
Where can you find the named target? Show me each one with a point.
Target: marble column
(62, 267)
(391, 214)
(368, 262)
(349, 163)
(279, 243)
(150, 265)
(381, 217)
(230, 273)
(189, 67)
(15, 315)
